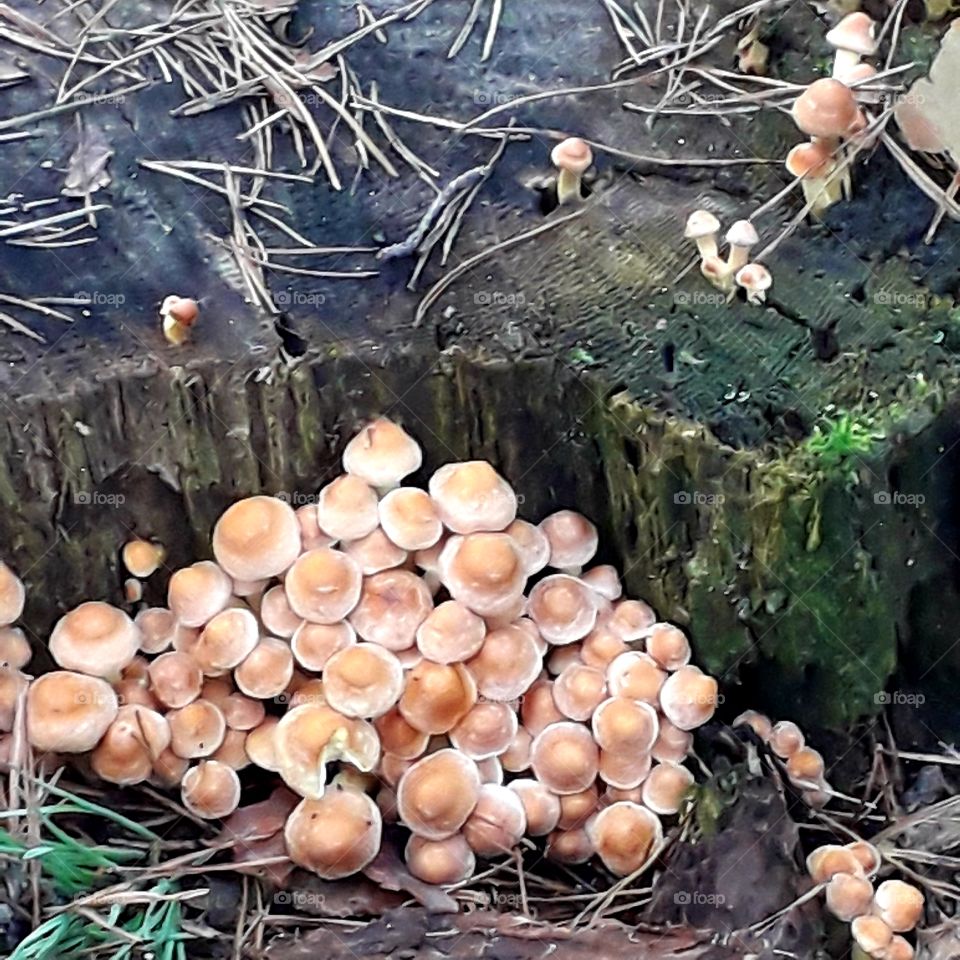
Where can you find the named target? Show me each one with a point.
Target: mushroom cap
(175, 679)
(572, 154)
(233, 750)
(240, 712)
(484, 571)
(827, 108)
(94, 638)
(871, 934)
(276, 614)
(169, 769)
(363, 680)
(786, 739)
(211, 790)
(197, 729)
(754, 276)
(538, 709)
(668, 645)
(182, 310)
(665, 787)
(198, 592)
(576, 808)
(506, 665)
(266, 670)
(437, 794)
(624, 771)
(856, 33)
(605, 580)
(260, 746)
(158, 626)
(830, 859)
(437, 696)
(391, 607)
(471, 497)
(335, 835)
(701, 223)
(516, 758)
(573, 539)
(375, 552)
(759, 723)
(486, 730)
(311, 536)
(630, 619)
(579, 690)
(689, 697)
(805, 767)
(672, 744)
(141, 557)
(810, 159)
(311, 735)
(564, 608)
(69, 712)
(131, 745)
(742, 233)
(636, 675)
(15, 649)
(541, 807)
(13, 595)
(323, 585)
(440, 862)
(565, 757)
(899, 948)
(497, 823)
(532, 544)
(347, 508)
(399, 738)
(625, 834)
(257, 537)
(868, 856)
(570, 846)
(601, 646)
(899, 905)
(451, 633)
(315, 643)
(849, 896)
(382, 454)
(226, 640)
(622, 725)
(409, 518)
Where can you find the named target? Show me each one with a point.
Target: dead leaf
(87, 166)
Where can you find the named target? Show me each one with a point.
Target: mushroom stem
(707, 246)
(738, 257)
(843, 61)
(568, 187)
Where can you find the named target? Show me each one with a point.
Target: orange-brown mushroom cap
(827, 108)
(382, 454)
(565, 757)
(573, 539)
(440, 862)
(409, 518)
(437, 696)
(451, 633)
(94, 638)
(437, 794)
(363, 680)
(198, 592)
(131, 745)
(347, 508)
(506, 665)
(12, 596)
(471, 497)
(689, 697)
(497, 823)
(563, 608)
(257, 537)
(211, 790)
(484, 571)
(391, 607)
(625, 835)
(69, 712)
(323, 585)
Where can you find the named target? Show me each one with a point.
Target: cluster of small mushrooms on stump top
(383, 651)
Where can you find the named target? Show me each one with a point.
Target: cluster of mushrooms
(878, 917)
(828, 112)
(703, 228)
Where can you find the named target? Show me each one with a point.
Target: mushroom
(391, 607)
(323, 585)
(471, 497)
(409, 518)
(197, 593)
(277, 615)
(68, 712)
(898, 949)
(688, 698)
(786, 739)
(871, 934)
(506, 665)
(266, 670)
(211, 790)
(227, 639)
(375, 552)
(497, 822)
(516, 758)
(636, 675)
(629, 619)
(573, 540)
(756, 281)
(437, 696)
(398, 737)
(718, 272)
(625, 836)
(757, 722)
(849, 896)
(576, 808)
(741, 236)
(665, 787)
(622, 725)
(805, 768)
(131, 745)
(484, 571)
(178, 315)
(15, 649)
(142, 558)
(315, 643)
(451, 633)
(826, 109)
(363, 680)
(563, 608)
(601, 646)
(169, 769)
(572, 157)
(579, 690)
(868, 856)
(570, 846)
(541, 807)
(196, 730)
(565, 757)
(830, 859)
(382, 454)
(94, 638)
(347, 508)
(853, 37)
(175, 679)
(311, 536)
(672, 744)
(440, 862)
(486, 730)
(233, 750)
(12, 685)
(240, 712)
(256, 538)
(259, 745)
(538, 709)
(813, 163)
(703, 228)
(899, 905)
(437, 794)
(532, 544)
(605, 580)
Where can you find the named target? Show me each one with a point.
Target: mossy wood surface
(575, 361)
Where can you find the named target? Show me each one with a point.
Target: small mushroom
(175, 679)
(437, 794)
(196, 730)
(853, 37)
(94, 638)
(497, 823)
(757, 722)
(259, 745)
(871, 934)
(382, 454)
(142, 558)
(565, 757)
(363, 680)
(323, 585)
(718, 272)
(211, 790)
(451, 633)
(563, 608)
(409, 518)
(532, 544)
(471, 497)
(622, 725)
(226, 640)
(15, 650)
(573, 540)
(741, 236)
(625, 836)
(704, 229)
(849, 896)
(538, 709)
(577, 808)
(688, 698)
(257, 537)
(178, 315)
(347, 508)
(131, 745)
(391, 607)
(899, 905)
(668, 645)
(506, 665)
(830, 859)
(197, 593)
(484, 571)
(315, 643)
(437, 696)
(665, 787)
(570, 846)
(68, 712)
(486, 730)
(572, 157)
(756, 281)
(786, 739)
(276, 614)
(605, 580)
(400, 738)
(541, 807)
(441, 862)
(266, 670)
(579, 690)
(826, 109)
